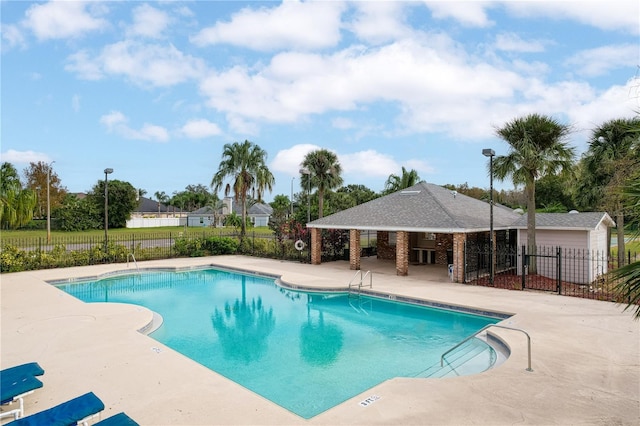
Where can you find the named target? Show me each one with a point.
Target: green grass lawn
(139, 232)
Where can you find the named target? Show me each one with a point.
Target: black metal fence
(19, 254)
(566, 271)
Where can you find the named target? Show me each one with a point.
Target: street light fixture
(488, 152)
(49, 202)
(306, 171)
(107, 172)
(292, 179)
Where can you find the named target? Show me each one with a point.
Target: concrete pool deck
(585, 356)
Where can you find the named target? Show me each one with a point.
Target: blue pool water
(304, 351)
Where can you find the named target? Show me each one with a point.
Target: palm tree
(16, 203)
(405, 180)
(216, 205)
(162, 198)
(536, 149)
(629, 286)
(613, 154)
(245, 164)
(324, 174)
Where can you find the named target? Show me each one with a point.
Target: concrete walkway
(586, 356)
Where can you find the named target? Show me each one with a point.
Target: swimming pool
(304, 351)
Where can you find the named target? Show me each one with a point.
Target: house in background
(258, 213)
(151, 214)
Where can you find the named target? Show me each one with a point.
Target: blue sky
(155, 89)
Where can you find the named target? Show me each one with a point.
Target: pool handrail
(134, 261)
(362, 278)
(485, 328)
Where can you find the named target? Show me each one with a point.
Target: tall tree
(537, 147)
(629, 275)
(613, 155)
(216, 205)
(121, 201)
(162, 198)
(554, 192)
(324, 174)
(396, 183)
(359, 194)
(36, 175)
(16, 203)
(245, 164)
(192, 198)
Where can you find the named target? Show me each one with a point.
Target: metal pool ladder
(355, 288)
(134, 261)
(483, 329)
(355, 285)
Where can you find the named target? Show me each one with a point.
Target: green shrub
(221, 245)
(210, 246)
(12, 259)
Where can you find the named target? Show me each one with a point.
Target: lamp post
(488, 152)
(292, 179)
(49, 202)
(107, 172)
(306, 171)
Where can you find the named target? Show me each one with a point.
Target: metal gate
(542, 270)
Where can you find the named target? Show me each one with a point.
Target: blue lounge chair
(72, 412)
(16, 383)
(28, 369)
(120, 419)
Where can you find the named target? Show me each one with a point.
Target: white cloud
(289, 160)
(422, 167)
(379, 21)
(292, 24)
(148, 21)
(369, 163)
(511, 42)
(116, 122)
(113, 119)
(12, 37)
(24, 157)
(63, 19)
(144, 64)
(342, 123)
(418, 75)
(599, 61)
(82, 64)
(152, 132)
(200, 128)
(468, 13)
(615, 102)
(620, 15)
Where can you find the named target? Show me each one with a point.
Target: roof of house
(149, 205)
(424, 207)
(254, 210)
(573, 220)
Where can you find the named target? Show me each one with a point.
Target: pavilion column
(354, 249)
(402, 253)
(459, 241)
(316, 246)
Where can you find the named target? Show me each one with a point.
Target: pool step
(473, 357)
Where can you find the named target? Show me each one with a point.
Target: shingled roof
(424, 207)
(147, 205)
(574, 220)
